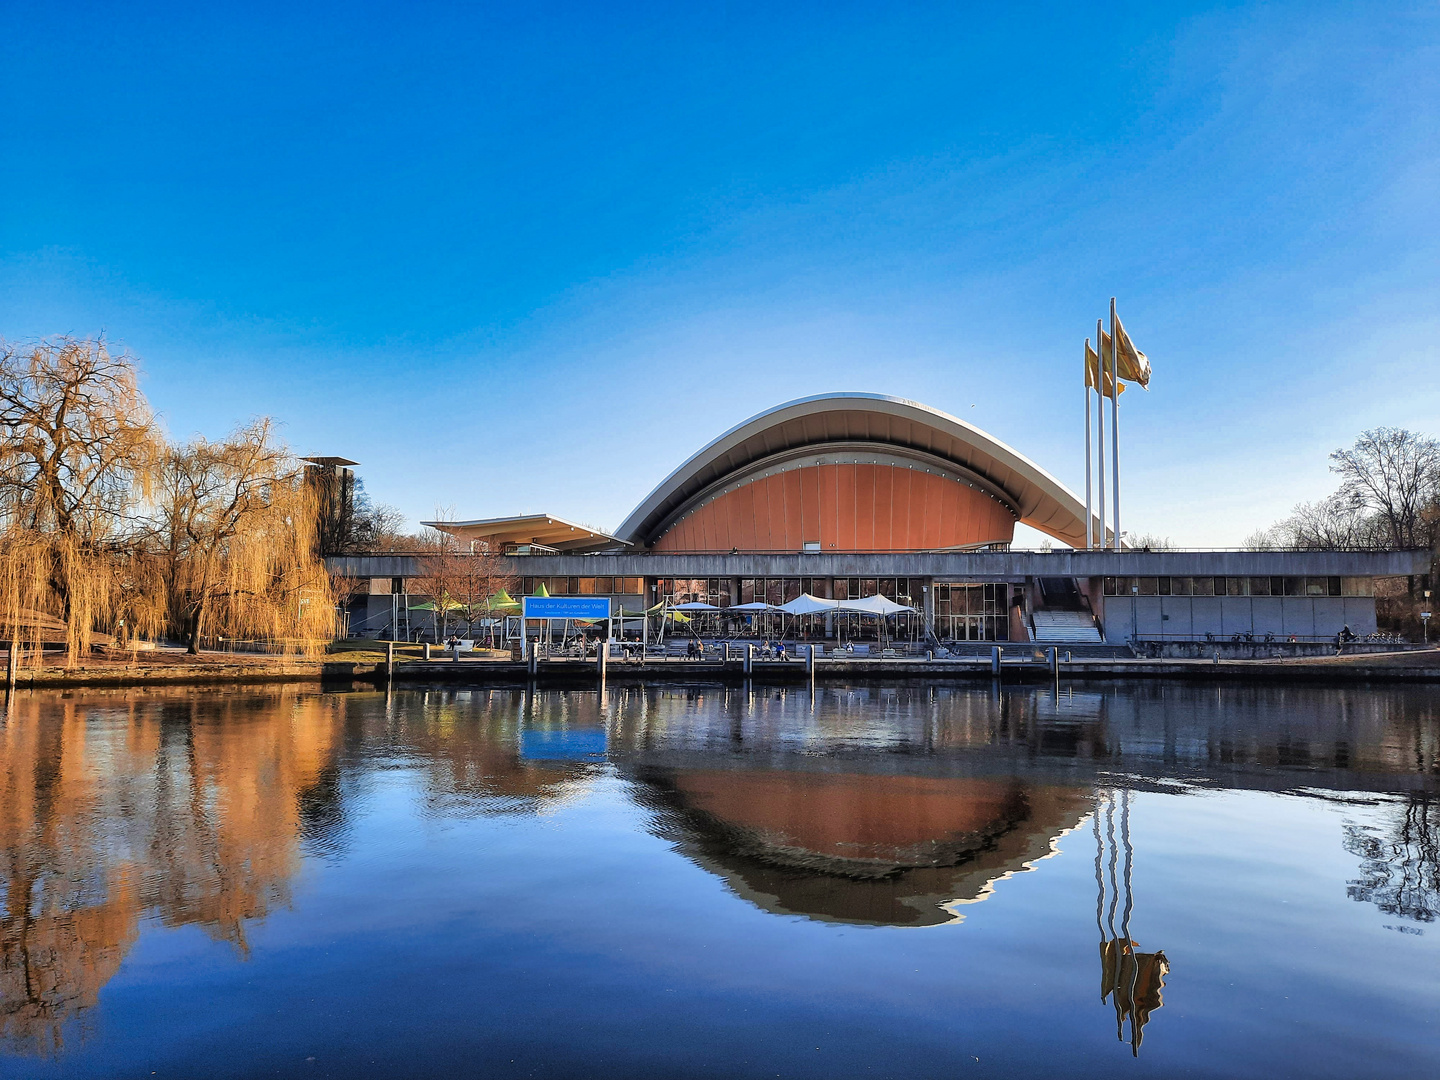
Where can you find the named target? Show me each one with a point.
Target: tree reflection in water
(115, 809)
(887, 806)
(1400, 864)
(194, 810)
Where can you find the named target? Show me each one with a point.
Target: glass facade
(973, 612)
(1239, 586)
(584, 586)
(715, 590)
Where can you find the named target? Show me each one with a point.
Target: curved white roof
(1039, 500)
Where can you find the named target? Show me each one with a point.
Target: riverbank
(210, 669)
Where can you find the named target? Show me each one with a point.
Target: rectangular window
(819, 587)
(1259, 586)
(1316, 586)
(1220, 586)
(1334, 584)
(1179, 586)
(1236, 586)
(1147, 585)
(1162, 586)
(868, 586)
(747, 590)
(1357, 586)
(1203, 586)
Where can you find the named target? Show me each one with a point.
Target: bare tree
(351, 523)
(1151, 542)
(381, 527)
(1336, 523)
(1262, 540)
(484, 576)
(441, 573)
(1393, 474)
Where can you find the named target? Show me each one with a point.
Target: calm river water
(1158, 880)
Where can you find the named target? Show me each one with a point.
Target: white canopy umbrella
(694, 605)
(758, 605)
(805, 604)
(872, 605)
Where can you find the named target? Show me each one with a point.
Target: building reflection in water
(893, 806)
(1131, 980)
(803, 811)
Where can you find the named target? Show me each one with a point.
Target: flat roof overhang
(545, 529)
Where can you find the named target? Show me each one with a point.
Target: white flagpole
(1100, 441)
(1089, 520)
(1115, 419)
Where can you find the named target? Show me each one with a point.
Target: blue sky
(529, 257)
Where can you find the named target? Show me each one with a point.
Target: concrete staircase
(1065, 628)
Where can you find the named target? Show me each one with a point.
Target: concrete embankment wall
(576, 673)
(190, 674)
(1256, 650)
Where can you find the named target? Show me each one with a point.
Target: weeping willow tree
(79, 450)
(236, 544)
(106, 529)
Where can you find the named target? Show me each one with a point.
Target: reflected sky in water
(674, 881)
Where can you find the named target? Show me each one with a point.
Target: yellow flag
(1092, 372)
(1133, 365)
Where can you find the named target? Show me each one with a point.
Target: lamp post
(1425, 620)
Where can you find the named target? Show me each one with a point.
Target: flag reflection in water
(1130, 980)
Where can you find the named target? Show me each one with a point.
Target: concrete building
(845, 496)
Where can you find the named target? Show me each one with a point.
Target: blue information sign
(566, 607)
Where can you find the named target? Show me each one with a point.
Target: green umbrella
(450, 605)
